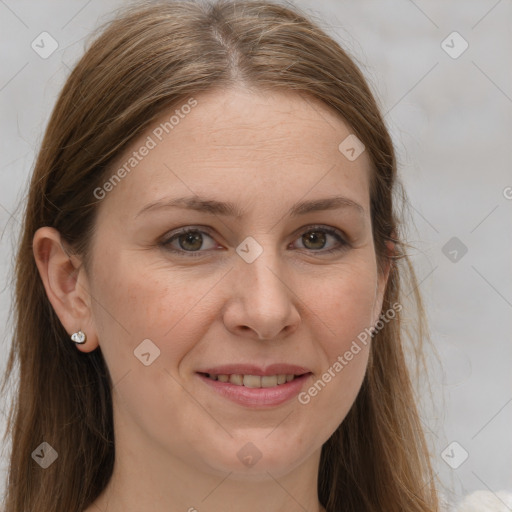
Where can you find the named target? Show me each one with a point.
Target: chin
(253, 461)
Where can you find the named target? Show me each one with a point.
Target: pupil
(192, 238)
(314, 237)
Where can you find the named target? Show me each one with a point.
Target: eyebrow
(230, 209)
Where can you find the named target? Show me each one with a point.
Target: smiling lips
(254, 386)
(254, 381)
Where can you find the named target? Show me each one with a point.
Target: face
(275, 276)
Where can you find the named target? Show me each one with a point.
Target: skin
(176, 439)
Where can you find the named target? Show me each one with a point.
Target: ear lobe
(60, 274)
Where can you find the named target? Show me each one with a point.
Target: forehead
(241, 145)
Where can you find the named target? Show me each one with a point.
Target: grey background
(451, 123)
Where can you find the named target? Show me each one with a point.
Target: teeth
(269, 381)
(253, 381)
(236, 379)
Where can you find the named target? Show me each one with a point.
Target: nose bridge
(264, 300)
(262, 274)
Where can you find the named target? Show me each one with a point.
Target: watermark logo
(351, 147)
(45, 455)
(454, 249)
(44, 45)
(454, 45)
(454, 455)
(249, 454)
(150, 143)
(249, 249)
(146, 352)
(343, 360)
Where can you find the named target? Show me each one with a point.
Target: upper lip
(251, 369)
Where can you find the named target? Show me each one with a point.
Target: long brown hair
(144, 62)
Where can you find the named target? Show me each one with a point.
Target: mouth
(254, 387)
(252, 381)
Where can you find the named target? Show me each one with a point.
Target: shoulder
(485, 501)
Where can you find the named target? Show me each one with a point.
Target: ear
(66, 285)
(382, 280)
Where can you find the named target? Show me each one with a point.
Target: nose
(261, 302)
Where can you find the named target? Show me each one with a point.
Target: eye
(317, 237)
(192, 241)
(188, 240)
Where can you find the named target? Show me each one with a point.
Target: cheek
(138, 301)
(344, 305)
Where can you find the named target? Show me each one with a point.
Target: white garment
(486, 501)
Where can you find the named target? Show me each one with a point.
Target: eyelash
(168, 240)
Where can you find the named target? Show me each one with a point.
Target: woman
(209, 281)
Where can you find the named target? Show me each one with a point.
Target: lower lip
(258, 397)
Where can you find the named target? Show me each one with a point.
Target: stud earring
(79, 337)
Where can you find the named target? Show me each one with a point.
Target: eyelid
(322, 227)
(169, 237)
(343, 239)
